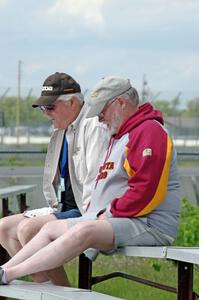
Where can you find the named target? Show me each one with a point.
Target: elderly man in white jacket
(71, 166)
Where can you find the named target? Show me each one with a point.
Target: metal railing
(180, 153)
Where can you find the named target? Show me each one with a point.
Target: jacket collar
(83, 112)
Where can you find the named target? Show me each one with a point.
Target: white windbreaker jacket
(87, 141)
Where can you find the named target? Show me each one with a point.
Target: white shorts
(44, 211)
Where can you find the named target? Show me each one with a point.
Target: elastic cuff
(108, 211)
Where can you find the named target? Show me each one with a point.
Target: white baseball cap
(106, 89)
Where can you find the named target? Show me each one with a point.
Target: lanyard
(63, 165)
(64, 158)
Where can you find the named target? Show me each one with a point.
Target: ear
(76, 103)
(122, 102)
(72, 101)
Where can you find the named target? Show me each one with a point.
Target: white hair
(67, 97)
(132, 95)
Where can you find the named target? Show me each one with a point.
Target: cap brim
(45, 100)
(95, 109)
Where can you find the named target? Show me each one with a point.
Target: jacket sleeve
(96, 141)
(147, 163)
(50, 176)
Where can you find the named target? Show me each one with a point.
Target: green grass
(125, 288)
(16, 162)
(161, 271)
(188, 163)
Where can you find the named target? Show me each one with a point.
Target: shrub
(188, 233)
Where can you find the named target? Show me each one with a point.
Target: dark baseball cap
(55, 85)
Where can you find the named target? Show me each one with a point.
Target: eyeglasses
(46, 107)
(107, 105)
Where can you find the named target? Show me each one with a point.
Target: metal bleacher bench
(19, 191)
(185, 257)
(33, 291)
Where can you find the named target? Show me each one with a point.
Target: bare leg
(27, 229)
(57, 276)
(54, 245)
(16, 231)
(49, 232)
(8, 233)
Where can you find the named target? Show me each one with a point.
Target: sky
(90, 39)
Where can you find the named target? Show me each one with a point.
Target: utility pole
(18, 100)
(144, 90)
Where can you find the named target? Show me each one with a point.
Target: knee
(25, 231)
(4, 227)
(48, 230)
(85, 234)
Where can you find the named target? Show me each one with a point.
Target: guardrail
(22, 152)
(188, 153)
(180, 153)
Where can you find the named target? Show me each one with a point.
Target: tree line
(31, 117)
(173, 108)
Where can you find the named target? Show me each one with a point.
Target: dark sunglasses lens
(50, 107)
(47, 107)
(42, 108)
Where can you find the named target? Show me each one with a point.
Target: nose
(48, 112)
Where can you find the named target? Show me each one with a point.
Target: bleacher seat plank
(33, 291)
(185, 254)
(15, 190)
(150, 252)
